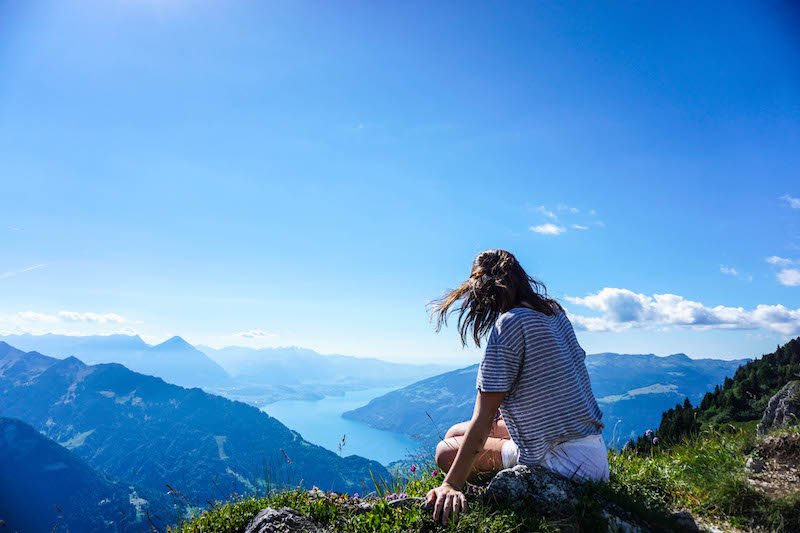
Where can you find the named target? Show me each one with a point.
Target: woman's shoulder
(523, 315)
(518, 313)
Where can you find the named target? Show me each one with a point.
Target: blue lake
(321, 422)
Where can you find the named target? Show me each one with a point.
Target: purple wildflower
(355, 495)
(655, 440)
(435, 473)
(413, 468)
(648, 433)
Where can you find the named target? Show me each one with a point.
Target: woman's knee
(456, 430)
(446, 452)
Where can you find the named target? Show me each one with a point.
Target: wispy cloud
(255, 334)
(562, 218)
(780, 261)
(12, 273)
(542, 210)
(99, 318)
(789, 277)
(66, 322)
(568, 209)
(731, 271)
(622, 309)
(791, 201)
(548, 229)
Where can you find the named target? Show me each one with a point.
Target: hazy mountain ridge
(42, 485)
(632, 390)
(135, 427)
(174, 360)
(257, 376)
(302, 366)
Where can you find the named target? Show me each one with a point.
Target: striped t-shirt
(537, 360)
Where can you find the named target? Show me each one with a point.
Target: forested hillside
(741, 398)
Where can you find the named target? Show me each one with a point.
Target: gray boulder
(282, 521)
(525, 488)
(755, 465)
(783, 408)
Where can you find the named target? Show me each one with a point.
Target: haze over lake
(320, 422)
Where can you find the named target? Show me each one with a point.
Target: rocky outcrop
(283, 520)
(783, 408)
(774, 467)
(533, 487)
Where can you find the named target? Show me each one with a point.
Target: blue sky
(295, 173)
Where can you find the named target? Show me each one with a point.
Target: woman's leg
(499, 430)
(490, 460)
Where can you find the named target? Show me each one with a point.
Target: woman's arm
(448, 498)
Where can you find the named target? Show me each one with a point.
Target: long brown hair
(497, 283)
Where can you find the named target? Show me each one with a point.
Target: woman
(534, 403)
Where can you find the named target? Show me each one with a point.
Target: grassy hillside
(702, 470)
(705, 475)
(741, 398)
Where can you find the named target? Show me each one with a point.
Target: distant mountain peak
(174, 342)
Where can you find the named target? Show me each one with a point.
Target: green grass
(704, 474)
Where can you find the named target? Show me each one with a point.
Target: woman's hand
(447, 502)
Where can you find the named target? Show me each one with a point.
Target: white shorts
(584, 459)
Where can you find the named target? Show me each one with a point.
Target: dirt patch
(779, 473)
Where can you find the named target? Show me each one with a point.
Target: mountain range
(258, 376)
(174, 360)
(181, 444)
(632, 391)
(45, 487)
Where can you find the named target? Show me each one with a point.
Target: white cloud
(775, 260)
(10, 274)
(792, 202)
(728, 270)
(542, 210)
(65, 322)
(548, 229)
(789, 277)
(622, 309)
(563, 207)
(33, 316)
(255, 334)
(105, 318)
(579, 227)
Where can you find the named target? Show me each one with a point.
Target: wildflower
(655, 440)
(648, 433)
(355, 495)
(435, 473)
(413, 468)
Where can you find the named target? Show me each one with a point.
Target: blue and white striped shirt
(537, 360)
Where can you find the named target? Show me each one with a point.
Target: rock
(755, 465)
(283, 520)
(404, 503)
(533, 486)
(783, 408)
(685, 521)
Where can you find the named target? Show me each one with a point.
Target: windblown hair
(496, 284)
